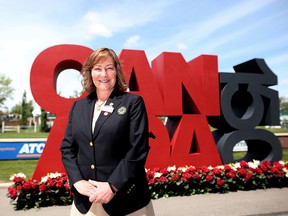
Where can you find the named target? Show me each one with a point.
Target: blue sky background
(234, 30)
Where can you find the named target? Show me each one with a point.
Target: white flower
(157, 175)
(220, 167)
(254, 164)
(50, 175)
(171, 168)
(21, 175)
(44, 179)
(55, 175)
(286, 171)
(237, 165)
(210, 167)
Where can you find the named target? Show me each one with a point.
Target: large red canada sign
(191, 95)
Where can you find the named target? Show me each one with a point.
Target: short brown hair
(97, 56)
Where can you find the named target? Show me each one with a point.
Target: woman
(106, 143)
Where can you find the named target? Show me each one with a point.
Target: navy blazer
(116, 152)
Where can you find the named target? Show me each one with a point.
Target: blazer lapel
(104, 115)
(88, 112)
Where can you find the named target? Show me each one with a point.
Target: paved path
(271, 202)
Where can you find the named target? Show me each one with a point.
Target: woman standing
(106, 143)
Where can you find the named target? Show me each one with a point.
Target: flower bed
(54, 188)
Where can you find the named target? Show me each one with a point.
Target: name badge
(108, 108)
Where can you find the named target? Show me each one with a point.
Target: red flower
(248, 176)
(59, 183)
(19, 187)
(186, 176)
(50, 182)
(156, 169)
(149, 174)
(67, 186)
(216, 171)
(33, 185)
(42, 187)
(274, 170)
(164, 171)
(205, 169)
(26, 185)
(64, 177)
(12, 192)
(152, 181)
(209, 178)
(175, 177)
(197, 176)
(227, 167)
(259, 171)
(244, 164)
(265, 165)
(231, 174)
(241, 171)
(162, 179)
(220, 182)
(18, 179)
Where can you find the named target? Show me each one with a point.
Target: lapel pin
(105, 113)
(122, 110)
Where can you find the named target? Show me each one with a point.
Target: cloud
(182, 46)
(223, 29)
(278, 59)
(120, 16)
(226, 17)
(97, 25)
(132, 41)
(196, 34)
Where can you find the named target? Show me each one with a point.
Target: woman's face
(104, 75)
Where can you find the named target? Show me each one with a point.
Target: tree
(6, 90)
(76, 94)
(16, 109)
(283, 104)
(24, 108)
(24, 111)
(44, 127)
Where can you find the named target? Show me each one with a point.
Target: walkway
(271, 202)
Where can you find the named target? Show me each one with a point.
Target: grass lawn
(24, 134)
(11, 167)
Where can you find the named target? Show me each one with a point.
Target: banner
(21, 149)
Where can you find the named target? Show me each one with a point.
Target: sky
(236, 31)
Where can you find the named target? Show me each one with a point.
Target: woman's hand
(85, 187)
(103, 192)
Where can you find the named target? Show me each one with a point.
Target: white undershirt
(96, 114)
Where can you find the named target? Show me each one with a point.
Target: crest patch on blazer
(122, 110)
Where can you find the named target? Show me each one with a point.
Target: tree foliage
(25, 108)
(283, 104)
(44, 127)
(6, 90)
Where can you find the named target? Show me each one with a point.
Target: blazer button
(92, 166)
(91, 144)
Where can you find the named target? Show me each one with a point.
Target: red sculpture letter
(44, 72)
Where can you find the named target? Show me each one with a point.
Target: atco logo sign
(191, 95)
(13, 150)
